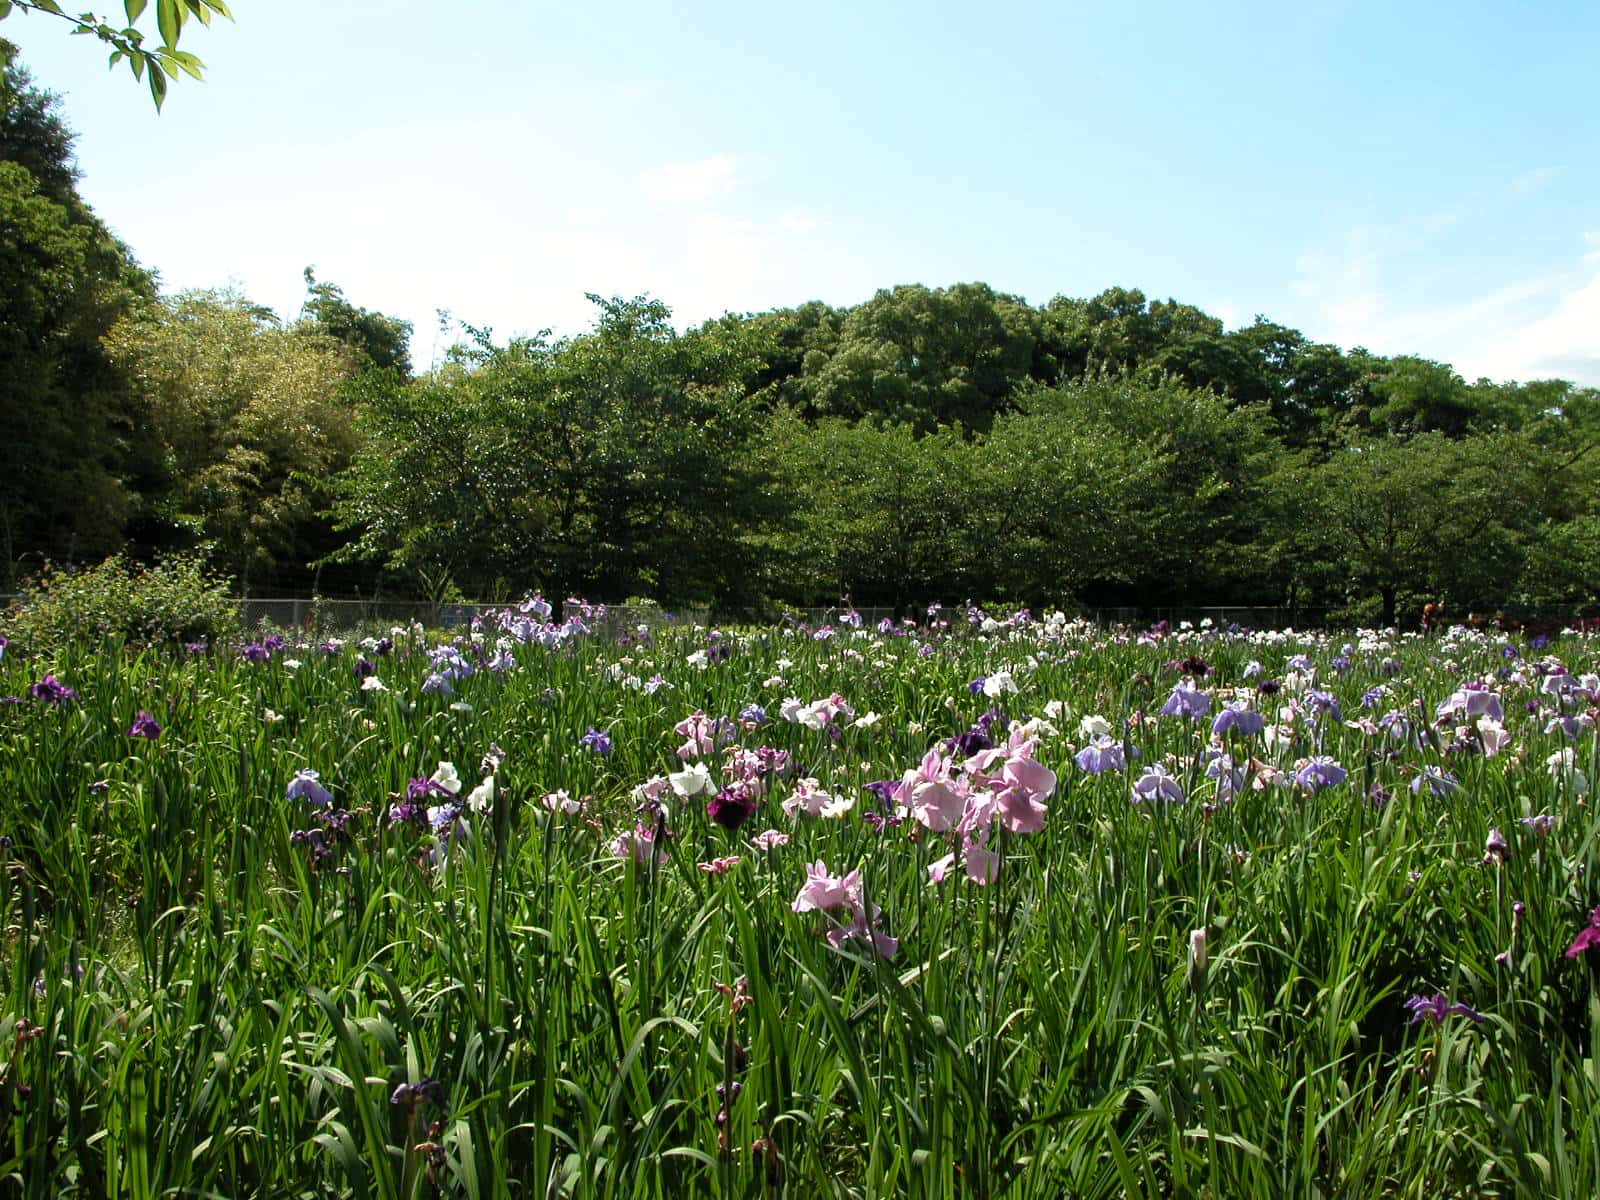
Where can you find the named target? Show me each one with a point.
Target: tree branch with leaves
(157, 64)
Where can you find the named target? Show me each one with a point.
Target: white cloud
(695, 182)
(1533, 181)
(1542, 326)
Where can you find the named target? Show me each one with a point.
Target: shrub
(175, 600)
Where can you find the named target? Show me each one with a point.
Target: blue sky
(1420, 178)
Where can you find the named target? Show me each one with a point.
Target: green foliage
(251, 420)
(161, 63)
(71, 442)
(614, 461)
(178, 599)
(381, 342)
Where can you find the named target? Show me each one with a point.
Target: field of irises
(962, 906)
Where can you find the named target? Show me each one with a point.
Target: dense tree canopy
(70, 441)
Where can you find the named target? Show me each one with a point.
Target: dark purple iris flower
(1435, 1008)
(52, 691)
(731, 807)
(597, 740)
(886, 790)
(965, 745)
(413, 1094)
(145, 726)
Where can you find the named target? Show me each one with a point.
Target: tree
(1186, 491)
(927, 357)
(1426, 517)
(381, 342)
(160, 63)
(881, 515)
(251, 419)
(71, 445)
(617, 462)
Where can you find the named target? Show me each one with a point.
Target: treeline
(946, 443)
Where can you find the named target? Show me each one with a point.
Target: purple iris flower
(1186, 702)
(255, 652)
(597, 740)
(145, 726)
(1435, 1008)
(976, 686)
(1229, 776)
(438, 684)
(886, 790)
(1102, 754)
(1237, 714)
(1570, 726)
(365, 667)
(306, 786)
(1396, 724)
(1156, 784)
(1437, 780)
(1323, 704)
(753, 714)
(52, 691)
(1320, 772)
(965, 745)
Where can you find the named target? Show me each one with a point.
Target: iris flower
(1102, 754)
(145, 726)
(306, 786)
(1435, 1008)
(1157, 784)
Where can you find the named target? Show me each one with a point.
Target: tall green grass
(218, 1015)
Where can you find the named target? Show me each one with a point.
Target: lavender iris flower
(1102, 754)
(306, 786)
(1324, 704)
(1437, 780)
(1186, 702)
(1238, 714)
(1320, 772)
(597, 740)
(1156, 784)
